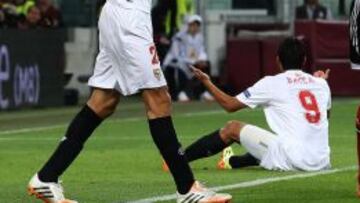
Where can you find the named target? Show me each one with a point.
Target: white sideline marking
(117, 120)
(58, 111)
(36, 129)
(252, 183)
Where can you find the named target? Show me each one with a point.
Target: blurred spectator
(168, 17)
(184, 8)
(313, 10)
(50, 15)
(32, 19)
(187, 49)
(163, 10)
(8, 15)
(29, 14)
(22, 6)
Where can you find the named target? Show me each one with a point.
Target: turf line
(115, 120)
(252, 183)
(53, 112)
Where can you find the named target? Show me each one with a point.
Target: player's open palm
(321, 74)
(199, 74)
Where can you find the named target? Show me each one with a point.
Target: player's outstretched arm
(324, 75)
(229, 103)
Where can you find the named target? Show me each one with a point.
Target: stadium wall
(251, 58)
(31, 68)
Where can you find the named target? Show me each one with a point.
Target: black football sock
(79, 130)
(207, 146)
(164, 136)
(243, 161)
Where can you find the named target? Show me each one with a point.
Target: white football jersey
(295, 105)
(143, 5)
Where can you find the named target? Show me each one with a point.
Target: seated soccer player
(296, 108)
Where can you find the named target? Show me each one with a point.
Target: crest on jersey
(157, 73)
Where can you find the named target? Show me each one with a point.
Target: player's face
(194, 28)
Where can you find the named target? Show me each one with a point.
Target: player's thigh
(104, 74)
(157, 102)
(142, 70)
(256, 140)
(129, 46)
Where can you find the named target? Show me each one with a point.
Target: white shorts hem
(129, 92)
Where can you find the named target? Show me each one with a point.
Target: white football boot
(200, 194)
(47, 192)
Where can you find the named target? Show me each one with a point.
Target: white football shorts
(257, 140)
(127, 61)
(278, 153)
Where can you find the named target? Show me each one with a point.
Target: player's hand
(199, 74)
(321, 74)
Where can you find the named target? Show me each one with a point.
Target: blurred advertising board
(31, 68)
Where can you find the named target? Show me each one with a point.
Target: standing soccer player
(127, 64)
(355, 63)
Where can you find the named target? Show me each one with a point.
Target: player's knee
(104, 108)
(163, 107)
(158, 103)
(231, 131)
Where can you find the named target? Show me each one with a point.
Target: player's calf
(206, 146)
(214, 142)
(78, 132)
(245, 160)
(158, 106)
(157, 103)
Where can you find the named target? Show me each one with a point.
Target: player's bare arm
(229, 103)
(324, 75)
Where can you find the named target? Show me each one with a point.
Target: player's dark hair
(291, 53)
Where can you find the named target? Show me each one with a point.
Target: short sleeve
(257, 95)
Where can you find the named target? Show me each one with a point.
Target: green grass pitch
(120, 162)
